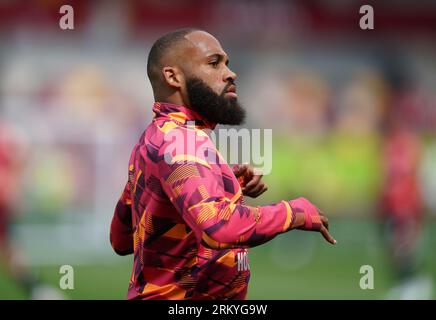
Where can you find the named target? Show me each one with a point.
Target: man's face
(210, 84)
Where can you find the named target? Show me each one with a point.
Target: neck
(174, 98)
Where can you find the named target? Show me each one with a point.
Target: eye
(214, 63)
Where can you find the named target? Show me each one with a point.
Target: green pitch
(296, 265)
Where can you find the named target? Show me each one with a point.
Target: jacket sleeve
(121, 232)
(196, 189)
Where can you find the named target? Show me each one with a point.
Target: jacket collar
(180, 115)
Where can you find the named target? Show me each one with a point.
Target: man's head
(189, 67)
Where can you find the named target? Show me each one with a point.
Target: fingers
(254, 190)
(254, 180)
(262, 190)
(253, 187)
(325, 221)
(325, 233)
(257, 190)
(242, 169)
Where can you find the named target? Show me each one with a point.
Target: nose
(229, 75)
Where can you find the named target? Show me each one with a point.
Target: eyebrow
(219, 57)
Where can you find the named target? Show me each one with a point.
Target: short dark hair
(161, 47)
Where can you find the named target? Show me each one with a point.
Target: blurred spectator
(401, 204)
(13, 151)
(11, 165)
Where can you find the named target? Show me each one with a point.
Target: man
(401, 202)
(12, 151)
(182, 212)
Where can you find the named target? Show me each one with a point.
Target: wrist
(307, 216)
(300, 220)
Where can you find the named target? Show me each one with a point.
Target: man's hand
(250, 181)
(325, 229)
(308, 217)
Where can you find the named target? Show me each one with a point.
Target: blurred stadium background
(75, 102)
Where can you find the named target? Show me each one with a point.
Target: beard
(213, 107)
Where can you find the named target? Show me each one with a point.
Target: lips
(231, 92)
(232, 89)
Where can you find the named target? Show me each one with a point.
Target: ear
(172, 76)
